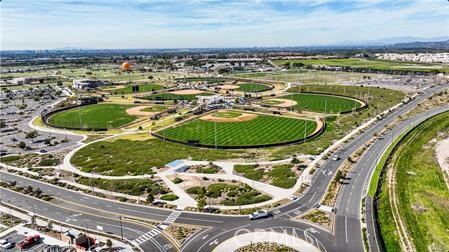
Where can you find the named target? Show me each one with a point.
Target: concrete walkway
(239, 241)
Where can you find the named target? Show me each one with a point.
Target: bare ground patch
(137, 111)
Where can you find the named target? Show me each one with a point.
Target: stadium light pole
(305, 127)
(215, 134)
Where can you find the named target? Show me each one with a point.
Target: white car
(258, 214)
(336, 158)
(6, 244)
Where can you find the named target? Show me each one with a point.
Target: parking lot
(16, 238)
(18, 108)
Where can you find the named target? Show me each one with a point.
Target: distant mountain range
(391, 41)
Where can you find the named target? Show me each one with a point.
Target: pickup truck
(258, 214)
(29, 242)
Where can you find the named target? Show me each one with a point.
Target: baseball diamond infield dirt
(241, 118)
(187, 92)
(229, 87)
(137, 111)
(285, 102)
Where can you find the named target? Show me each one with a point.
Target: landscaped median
(413, 192)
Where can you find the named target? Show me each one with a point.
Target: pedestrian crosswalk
(147, 236)
(157, 230)
(172, 217)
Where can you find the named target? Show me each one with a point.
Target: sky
(50, 24)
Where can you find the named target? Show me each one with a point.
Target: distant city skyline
(50, 24)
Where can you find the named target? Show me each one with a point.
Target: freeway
(346, 235)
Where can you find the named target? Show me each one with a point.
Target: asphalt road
(347, 231)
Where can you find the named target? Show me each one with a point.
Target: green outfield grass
(227, 114)
(423, 197)
(169, 96)
(264, 129)
(143, 88)
(320, 103)
(371, 64)
(94, 116)
(252, 87)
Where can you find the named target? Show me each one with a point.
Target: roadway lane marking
(241, 227)
(137, 211)
(112, 225)
(346, 228)
(194, 219)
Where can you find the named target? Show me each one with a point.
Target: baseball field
(323, 103)
(233, 128)
(98, 116)
(252, 87)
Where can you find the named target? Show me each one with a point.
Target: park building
(86, 84)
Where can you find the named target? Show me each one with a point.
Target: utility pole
(305, 129)
(87, 235)
(121, 228)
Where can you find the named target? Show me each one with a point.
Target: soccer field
(262, 130)
(98, 116)
(323, 103)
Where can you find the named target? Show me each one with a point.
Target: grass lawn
(264, 129)
(170, 96)
(280, 175)
(126, 157)
(322, 103)
(252, 87)
(370, 63)
(169, 197)
(143, 88)
(421, 190)
(94, 116)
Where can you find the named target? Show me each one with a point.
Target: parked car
(29, 242)
(258, 214)
(7, 244)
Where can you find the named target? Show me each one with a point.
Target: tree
(50, 225)
(150, 198)
(201, 202)
(22, 145)
(109, 243)
(31, 134)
